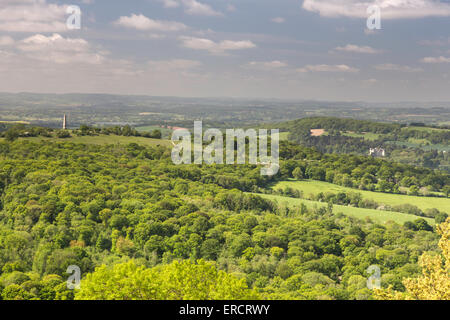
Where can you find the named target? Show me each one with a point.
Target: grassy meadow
(380, 216)
(310, 187)
(105, 139)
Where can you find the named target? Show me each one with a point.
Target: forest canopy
(126, 209)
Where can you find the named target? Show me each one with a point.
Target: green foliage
(90, 205)
(441, 217)
(182, 280)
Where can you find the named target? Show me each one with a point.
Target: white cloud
(141, 22)
(357, 49)
(278, 20)
(173, 65)
(390, 9)
(440, 59)
(59, 50)
(38, 42)
(4, 55)
(267, 64)
(32, 16)
(6, 41)
(215, 47)
(236, 45)
(199, 43)
(327, 68)
(197, 8)
(170, 3)
(193, 7)
(396, 67)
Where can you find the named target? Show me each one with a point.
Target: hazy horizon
(243, 98)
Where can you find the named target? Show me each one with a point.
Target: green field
(166, 133)
(284, 136)
(309, 187)
(360, 213)
(412, 143)
(105, 139)
(15, 122)
(367, 136)
(428, 129)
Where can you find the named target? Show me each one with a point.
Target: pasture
(380, 216)
(106, 139)
(311, 187)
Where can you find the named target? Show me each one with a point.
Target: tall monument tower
(65, 122)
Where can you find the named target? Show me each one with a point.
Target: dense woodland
(128, 208)
(362, 126)
(346, 136)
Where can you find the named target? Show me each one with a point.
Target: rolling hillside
(380, 216)
(310, 187)
(104, 140)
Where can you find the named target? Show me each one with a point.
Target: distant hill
(422, 145)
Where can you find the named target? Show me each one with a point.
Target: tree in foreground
(180, 280)
(434, 283)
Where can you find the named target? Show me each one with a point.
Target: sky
(287, 49)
